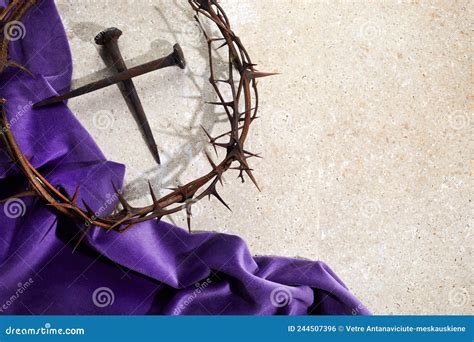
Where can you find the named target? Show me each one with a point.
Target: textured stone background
(366, 134)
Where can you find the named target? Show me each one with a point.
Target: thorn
(220, 177)
(214, 167)
(152, 193)
(223, 145)
(221, 46)
(216, 195)
(211, 139)
(252, 178)
(83, 235)
(245, 167)
(258, 74)
(250, 154)
(49, 229)
(247, 111)
(188, 220)
(207, 133)
(90, 212)
(241, 176)
(215, 39)
(122, 200)
(188, 216)
(74, 197)
(225, 104)
(127, 228)
(240, 168)
(156, 205)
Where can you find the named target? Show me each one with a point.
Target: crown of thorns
(240, 107)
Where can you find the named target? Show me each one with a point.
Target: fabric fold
(155, 268)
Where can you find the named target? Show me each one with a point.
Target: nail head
(107, 35)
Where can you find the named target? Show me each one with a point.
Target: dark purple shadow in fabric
(155, 268)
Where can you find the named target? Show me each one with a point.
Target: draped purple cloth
(155, 268)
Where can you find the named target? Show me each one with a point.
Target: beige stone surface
(366, 134)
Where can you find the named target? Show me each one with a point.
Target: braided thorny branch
(241, 110)
(10, 16)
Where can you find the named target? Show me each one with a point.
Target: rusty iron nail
(176, 58)
(108, 39)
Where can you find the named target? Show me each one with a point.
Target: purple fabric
(155, 268)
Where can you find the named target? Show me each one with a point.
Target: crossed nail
(108, 39)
